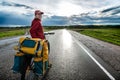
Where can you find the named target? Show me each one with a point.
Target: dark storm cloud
(10, 19)
(15, 5)
(110, 9)
(94, 20)
(56, 20)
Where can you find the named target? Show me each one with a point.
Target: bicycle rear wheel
(26, 63)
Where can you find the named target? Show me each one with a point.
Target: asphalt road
(70, 59)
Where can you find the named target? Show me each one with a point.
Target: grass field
(108, 35)
(10, 33)
(13, 32)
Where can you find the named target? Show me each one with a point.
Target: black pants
(26, 63)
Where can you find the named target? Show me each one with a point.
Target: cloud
(89, 18)
(56, 20)
(110, 9)
(8, 7)
(15, 5)
(89, 3)
(11, 19)
(60, 12)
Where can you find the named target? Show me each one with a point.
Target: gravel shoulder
(108, 52)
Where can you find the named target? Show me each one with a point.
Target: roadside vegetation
(106, 33)
(10, 32)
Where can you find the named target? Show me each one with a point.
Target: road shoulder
(106, 51)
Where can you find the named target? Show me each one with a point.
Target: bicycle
(27, 70)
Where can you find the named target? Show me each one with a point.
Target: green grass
(10, 33)
(108, 35)
(46, 29)
(14, 32)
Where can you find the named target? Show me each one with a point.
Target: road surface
(71, 60)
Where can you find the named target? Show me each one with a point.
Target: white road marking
(104, 70)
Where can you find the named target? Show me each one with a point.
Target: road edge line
(104, 70)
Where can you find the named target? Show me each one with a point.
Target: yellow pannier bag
(18, 62)
(45, 51)
(31, 46)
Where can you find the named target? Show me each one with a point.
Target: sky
(60, 12)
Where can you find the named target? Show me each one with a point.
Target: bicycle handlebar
(49, 33)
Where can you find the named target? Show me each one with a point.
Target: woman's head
(38, 14)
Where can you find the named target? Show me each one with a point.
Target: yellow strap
(37, 59)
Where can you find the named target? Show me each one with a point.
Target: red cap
(38, 12)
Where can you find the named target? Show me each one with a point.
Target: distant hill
(83, 26)
(68, 27)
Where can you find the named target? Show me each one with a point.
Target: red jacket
(36, 30)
